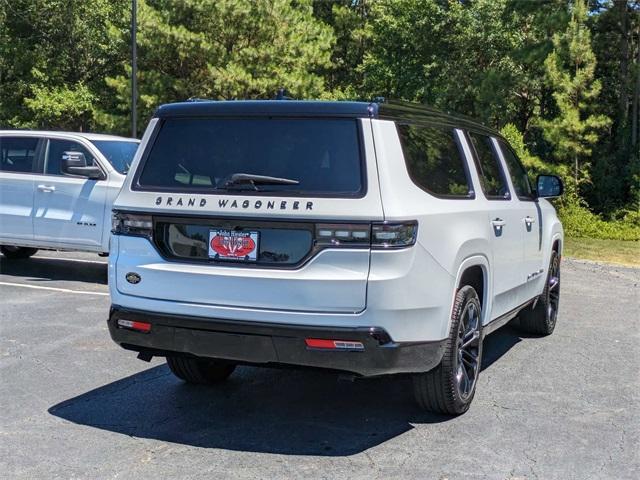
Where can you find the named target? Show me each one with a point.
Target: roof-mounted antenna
(282, 94)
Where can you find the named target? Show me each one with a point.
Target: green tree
(223, 49)
(615, 25)
(532, 25)
(533, 163)
(452, 55)
(349, 20)
(54, 56)
(570, 73)
(407, 41)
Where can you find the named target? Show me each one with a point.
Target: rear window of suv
(322, 155)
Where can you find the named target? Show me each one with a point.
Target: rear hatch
(267, 212)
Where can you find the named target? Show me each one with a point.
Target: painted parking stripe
(59, 259)
(54, 289)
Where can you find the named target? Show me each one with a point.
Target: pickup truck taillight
(131, 224)
(374, 235)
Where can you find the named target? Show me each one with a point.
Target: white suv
(359, 237)
(57, 188)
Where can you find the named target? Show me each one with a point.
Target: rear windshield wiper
(241, 180)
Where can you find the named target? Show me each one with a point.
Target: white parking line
(70, 259)
(55, 289)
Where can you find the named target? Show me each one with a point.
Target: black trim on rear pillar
(270, 343)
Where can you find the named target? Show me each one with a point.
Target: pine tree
(223, 49)
(570, 74)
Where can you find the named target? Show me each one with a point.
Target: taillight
(326, 344)
(343, 234)
(373, 235)
(131, 224)
(394, 235)
(143, 327)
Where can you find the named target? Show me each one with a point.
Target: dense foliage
(560, 78)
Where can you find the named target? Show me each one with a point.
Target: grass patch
(580, 222)
(610, 251)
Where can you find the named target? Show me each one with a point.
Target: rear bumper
(268, 343)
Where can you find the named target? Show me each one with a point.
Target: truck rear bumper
(364, 351)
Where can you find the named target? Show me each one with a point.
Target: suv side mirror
(75, 163)
(549, 186)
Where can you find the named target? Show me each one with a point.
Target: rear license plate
(233, 245)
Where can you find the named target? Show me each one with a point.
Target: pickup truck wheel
(449, 388)
(541, 320)
(193, 370)
(14, 253)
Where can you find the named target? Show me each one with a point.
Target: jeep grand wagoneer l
(360, 237)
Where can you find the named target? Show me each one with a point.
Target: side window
(519, 175)
(434, 161)
(17, 154)
(56, 151)
(492, 178)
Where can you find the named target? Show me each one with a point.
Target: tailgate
(241, 207)
(332, 281)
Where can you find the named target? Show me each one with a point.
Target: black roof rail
(389, 109)
(414, 111)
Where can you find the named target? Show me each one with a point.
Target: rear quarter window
(492, 178)
(435, 161)
(201, 154)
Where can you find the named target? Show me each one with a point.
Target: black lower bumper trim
(269, 343)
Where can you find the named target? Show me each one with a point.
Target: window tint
(492, 177)
(434, 160)
(519, 175)
(119, 154)
(17, 154)
(322, 155)
(56, 150)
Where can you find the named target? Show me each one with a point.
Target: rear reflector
(133, 325)
(333, 344)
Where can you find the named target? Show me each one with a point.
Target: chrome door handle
(498, 222)
(529, 220)
(47, 188)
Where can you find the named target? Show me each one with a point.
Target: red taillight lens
(134, 325)
(326, 344)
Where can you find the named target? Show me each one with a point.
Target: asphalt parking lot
(74, 405)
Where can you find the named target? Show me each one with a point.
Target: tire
(14, 253)
(541, 320)
(204, 372)
(449, 388)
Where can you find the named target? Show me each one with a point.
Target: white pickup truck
(57, 189)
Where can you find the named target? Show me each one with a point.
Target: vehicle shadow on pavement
(42, 269)
(500, 342)
(282, 411)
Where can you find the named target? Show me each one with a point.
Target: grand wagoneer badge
(239, 204)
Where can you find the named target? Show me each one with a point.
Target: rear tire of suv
(449, 388)
(14, 253)
(193, 370)
(541, 320)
